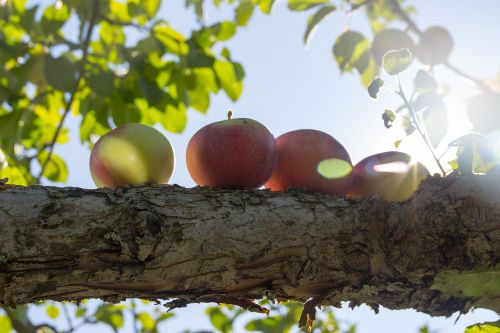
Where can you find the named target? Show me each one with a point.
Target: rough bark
(202, 245)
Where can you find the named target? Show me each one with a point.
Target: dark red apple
(435, 46)
(391, 174)
(312, 160)
(232, 153)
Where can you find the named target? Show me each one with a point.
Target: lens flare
(393, 167)
(334, 168)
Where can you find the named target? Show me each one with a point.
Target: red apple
(132, 154)
(232, 153)
(435, 46)
(312, 160)
(390, 174)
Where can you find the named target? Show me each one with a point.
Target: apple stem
(229, 114)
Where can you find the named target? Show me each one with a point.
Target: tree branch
(85, 48)
(233, 246)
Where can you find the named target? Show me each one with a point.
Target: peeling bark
(204, 245)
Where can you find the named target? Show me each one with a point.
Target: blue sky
(288, 87)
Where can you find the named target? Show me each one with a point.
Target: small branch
(124, 24)
(85, 48)
(402, 94)
(356, 6)
(134, 315)
(68, 317)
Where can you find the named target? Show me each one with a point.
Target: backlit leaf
(52, 311)
(374, 87)
(300, 5)
(60, 73)
(394, 62)
(315, 20)
(5, 324)
(468, 284)
(244, 11)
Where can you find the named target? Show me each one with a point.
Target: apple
(391, 174)
(312, 160)
(238, 153)
(390, 39)
(435, 46)
(132, 154)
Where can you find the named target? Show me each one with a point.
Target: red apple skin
(235, 153)
(132, 154)
(392, 186)
(299, 153)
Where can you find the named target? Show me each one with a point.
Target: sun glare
(394, 167)
(458, 125)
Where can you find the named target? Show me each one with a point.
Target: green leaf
(111, 315)
(348, 49)
(315, 20)
(199, 99)
(492, 327)
(198, 8)
(60, 73)
(52, 311)
(224, 30)
(28, 18)
(151, 7)
(396, 61)
(219, 319)
(388, 117)
(9, 125)
(228, 76)
(436, 124)
(352, 51)
(244, 11)
(300, 5)
(424, 81)
(5, 324)
(16, 174)
(54, 17)
(266, 6)
(334, 168)
(102, 83)
(147, 322)
(468, 284)
(473, 154)
(174, 118)
(173, 40)
(374, 87)
(80, 312)
(56, 170)
(164, 316)
(124, 113)
(150, 91)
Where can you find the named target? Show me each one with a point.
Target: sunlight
(458, 125)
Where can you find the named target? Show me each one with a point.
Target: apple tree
(125, 64)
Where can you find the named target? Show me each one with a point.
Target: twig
(134, 314)
(68, 317)
(356, 6)
(85, 48)
(402, 94)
